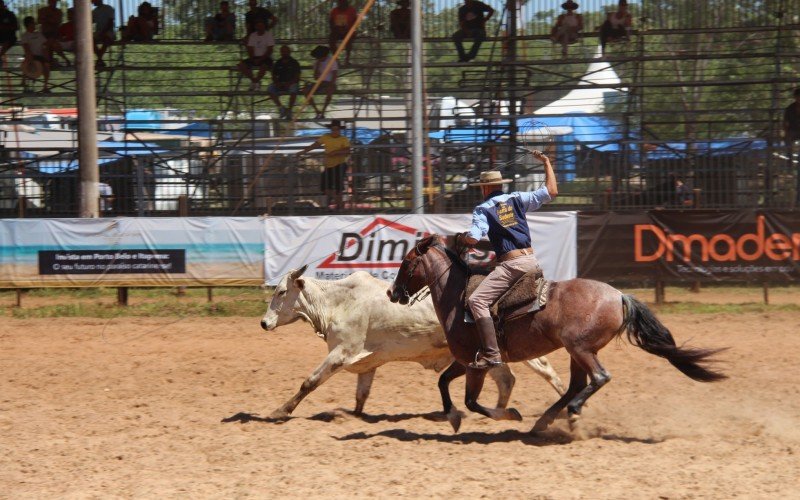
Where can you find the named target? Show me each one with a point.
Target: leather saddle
(528, 295)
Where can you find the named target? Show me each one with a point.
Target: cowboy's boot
(489, 355)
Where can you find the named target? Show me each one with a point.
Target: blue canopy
(357, 135)
(716, 148)
(65, 165)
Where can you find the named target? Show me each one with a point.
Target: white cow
(364, 330)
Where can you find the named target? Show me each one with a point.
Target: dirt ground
(161, 407)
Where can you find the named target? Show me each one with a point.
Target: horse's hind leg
(362, 390)
(452, 372)
(599, 377)
(475, 380)
(577, 382)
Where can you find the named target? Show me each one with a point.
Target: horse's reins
(423, 293)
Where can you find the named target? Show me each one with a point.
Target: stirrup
(482, 363)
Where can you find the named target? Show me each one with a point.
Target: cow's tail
(647, 332)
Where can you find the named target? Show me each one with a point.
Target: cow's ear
(300, 283)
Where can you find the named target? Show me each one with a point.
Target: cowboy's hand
(462, 239)
(539, 155)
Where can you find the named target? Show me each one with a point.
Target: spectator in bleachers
(337, 149)
(285, 81)
(791, 121)
(36, 59)
(259, 51)
(8, 29)
(66, 32)
(342, 18)
(400, 20)
(104, 33)
(143, 26)
(568, 26)
(222, 26)
(327, 86)
(258, 13)
(684, 196)
(616, 26)
(50, 18)
(472, 17)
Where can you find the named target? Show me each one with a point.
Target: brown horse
(581, 316)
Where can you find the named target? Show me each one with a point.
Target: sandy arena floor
(135, 408)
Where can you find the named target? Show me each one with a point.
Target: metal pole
(87, 111)
(417, 153)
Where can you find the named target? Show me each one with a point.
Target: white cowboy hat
(32, 68)
(490, 178)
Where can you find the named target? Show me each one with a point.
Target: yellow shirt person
(337, 149)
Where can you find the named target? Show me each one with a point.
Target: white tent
(590, 99)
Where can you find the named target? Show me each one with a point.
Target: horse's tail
(646, 331)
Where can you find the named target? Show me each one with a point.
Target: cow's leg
(475, 380)
(505, 380)
(452, 372)
(362, 390)
(334, 362)
(545, 370)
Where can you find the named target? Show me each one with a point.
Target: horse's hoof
(513, 414)
(541, 425)
(576, 428)
(279, 414)
(454, 417)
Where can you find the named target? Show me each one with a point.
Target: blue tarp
(64, 165)
(130, 148)
(154, 121)
(358, 135)
(721, 147)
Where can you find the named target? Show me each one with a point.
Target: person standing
(337, 149)
(400, 20)
(472, 17)
(501, 217)
(8, 29)
(342, 18)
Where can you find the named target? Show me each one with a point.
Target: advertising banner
(202, 251)
(336, 246)
(741, 245)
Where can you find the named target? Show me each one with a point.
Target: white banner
(131, 252)
(336, 246)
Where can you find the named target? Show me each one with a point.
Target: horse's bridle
(425, 290)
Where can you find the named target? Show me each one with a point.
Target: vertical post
(140, 203)
(20, 293)
(417, 103)
(183, 206)
(660, 292)
(210, 294)
(122, 296)
(87, 111)
(766, 293)
(22, 201)
(511, 57)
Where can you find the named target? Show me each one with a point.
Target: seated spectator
(221, 27)
(49, 18)
(8, 29)
(257, 13)
(259, 50)
(400, 20)
(684, 196)
(66, 32)
(35, 46)
(143, 26)
(568, 26)
(472, 24)
(616, 26)
(104, 33)
(342, 18)
(285, 80)
(328, 84)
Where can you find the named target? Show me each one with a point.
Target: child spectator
(337, 149)
(568, 26)
(285, 80)
(328, 84)
(259, 49)
(104, 33)
(400, 20)
(616, 26)
(8, 29)
(257, 13)
(143, 26)
(35, 46)
(222, 26)
(342, 18)
(472, 17)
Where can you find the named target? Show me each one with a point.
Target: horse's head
(411, 276)
(282, 308)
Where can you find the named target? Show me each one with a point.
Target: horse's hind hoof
(513, 414)
(454, 417)
(279, 414)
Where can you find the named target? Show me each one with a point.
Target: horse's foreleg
(475, 380)
(577, 381)
(334, 361)
(452, 372)
(362, 390)
(505, 380)
(544, 369)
